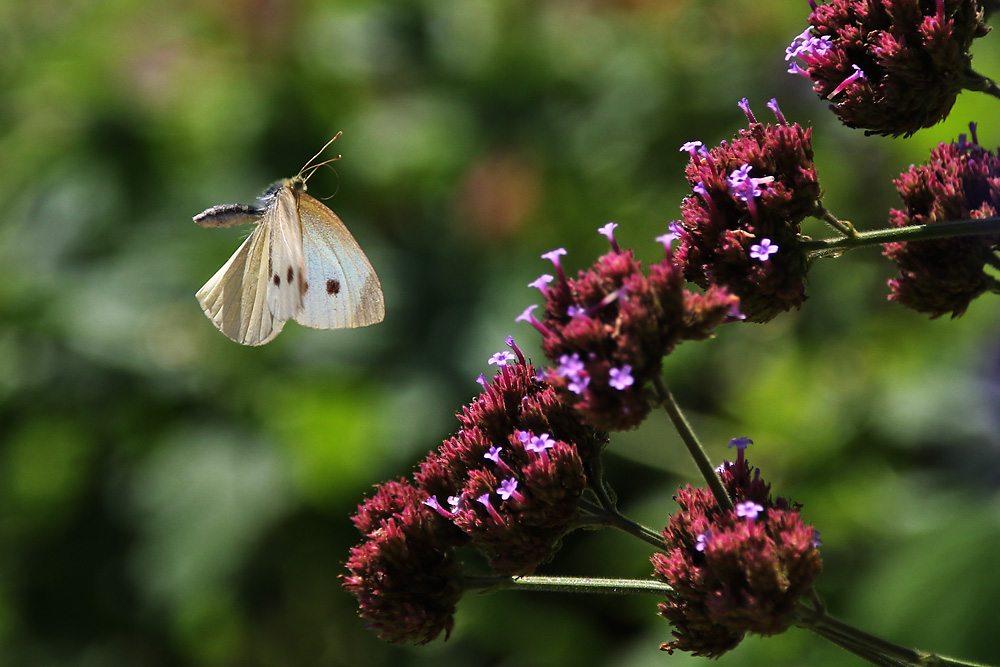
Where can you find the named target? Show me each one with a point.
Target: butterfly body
(299, 263)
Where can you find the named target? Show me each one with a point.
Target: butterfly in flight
(299, 263)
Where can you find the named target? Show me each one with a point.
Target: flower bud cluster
(508, 483)
(734, 571)
(607, 330)
(740, 226)
(960, 182)
(891, 68)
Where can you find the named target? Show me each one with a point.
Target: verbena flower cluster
(508, 483)
(740, 225)
(607, 330)
(734, 571)
(890, 67)
(960, 182)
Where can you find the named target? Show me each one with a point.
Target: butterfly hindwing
(235, 297)
(341, 288)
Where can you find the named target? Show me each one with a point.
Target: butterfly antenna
(338, 181)
(313, 168)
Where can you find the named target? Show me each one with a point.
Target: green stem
(937, 230)
(602, 516)
(694, 447)
(978, 82)
(569, 585)
(874, 649)
(842, 226)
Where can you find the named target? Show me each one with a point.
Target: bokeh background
(168, 497)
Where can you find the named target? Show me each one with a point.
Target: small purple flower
(579, 383)
(763, 250)
(621, 378)
(740, 443)
(526, 315)
(672, 235)
(857, 74)
(553, 256)
(433, 503)
(575, 311)
(570, 365)
(481, 379)
(749, 509)
(541, 281)
(735, 314)
(816, 542)
(745, 105)
(502, 358)
(773, 106)
(737, 178)
(807, 48)
(509, 342)
(538, 444)
(494, 455)
(742, 186)
(692, 147)
(608, 231)
(702, 540)
(485, 501)
(508, 489)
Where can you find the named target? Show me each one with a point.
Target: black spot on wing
(291, 274)
(332, 286)
(277, 279)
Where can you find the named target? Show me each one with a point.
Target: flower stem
(610, 516)
(666, 399)
(569, 585)
(842, 226)
(978, 82)
(874, 649)
(936, 230)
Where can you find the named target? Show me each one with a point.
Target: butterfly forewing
(341, 288)
(285, 267)
(235, 297)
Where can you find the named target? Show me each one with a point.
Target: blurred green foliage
(170, 498)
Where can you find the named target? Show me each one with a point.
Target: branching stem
(705, 467)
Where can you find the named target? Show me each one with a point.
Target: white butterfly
(300, 263)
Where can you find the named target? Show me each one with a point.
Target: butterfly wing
(285, 267)
(341, 288)
(235, 298)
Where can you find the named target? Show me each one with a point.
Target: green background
(168, 497)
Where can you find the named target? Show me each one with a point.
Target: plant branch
(603, 516)
(569, 585)
(694, 447)
(874, 649)
(937, 230)
(980, 83)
